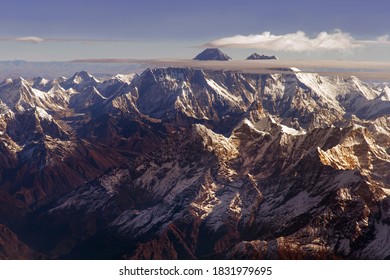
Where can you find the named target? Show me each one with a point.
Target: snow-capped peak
(79, 81)
(8, 81)
(41, 81)
(292, 131)
(385, 94)
(82, 76)
(294, 69)
(126, 78)
(56, 87)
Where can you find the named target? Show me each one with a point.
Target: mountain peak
(7, 81)
(41, 114)
(81, 76)
(126, 78)
(212, 54)
(385, 94)
(197, 163)
(16, 84)
(20, 82)
(40, 80)
(256, 56)
(79, 81)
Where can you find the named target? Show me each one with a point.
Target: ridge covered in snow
(183, 163)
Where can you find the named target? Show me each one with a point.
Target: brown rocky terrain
(182, 163)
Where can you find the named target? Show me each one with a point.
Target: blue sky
(70, 29)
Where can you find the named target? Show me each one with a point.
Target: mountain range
(53, 69)
(184, 163)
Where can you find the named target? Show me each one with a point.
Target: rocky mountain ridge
(194, 164)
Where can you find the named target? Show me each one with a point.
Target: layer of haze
(44, 30)
(365, 70)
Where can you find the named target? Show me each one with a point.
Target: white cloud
(383, 38)
(295, 42)
(29, 39)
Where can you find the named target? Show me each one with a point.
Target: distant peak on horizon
(212, 54)
(256, 56)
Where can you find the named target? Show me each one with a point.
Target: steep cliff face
(255, 194)
(185, 163)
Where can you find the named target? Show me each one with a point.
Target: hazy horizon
(304, 34)
(365, 70)
(63, 31)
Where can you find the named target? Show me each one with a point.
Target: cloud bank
(383, 39)
(295, 42)
(366, 70)
(30, 39)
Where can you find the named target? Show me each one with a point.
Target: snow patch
(291, 131)
(385, 95)
(126, 78)
(43, 115)
(222, 91)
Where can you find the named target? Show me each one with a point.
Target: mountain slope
(183, 163)
(212, 54)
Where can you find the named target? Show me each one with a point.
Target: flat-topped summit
(257, 56)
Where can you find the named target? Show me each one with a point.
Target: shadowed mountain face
(212, 54)
(256, 56)
(180, 163)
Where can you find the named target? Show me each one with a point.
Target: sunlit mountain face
(189, 163)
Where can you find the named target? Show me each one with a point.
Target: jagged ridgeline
(180, 163)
